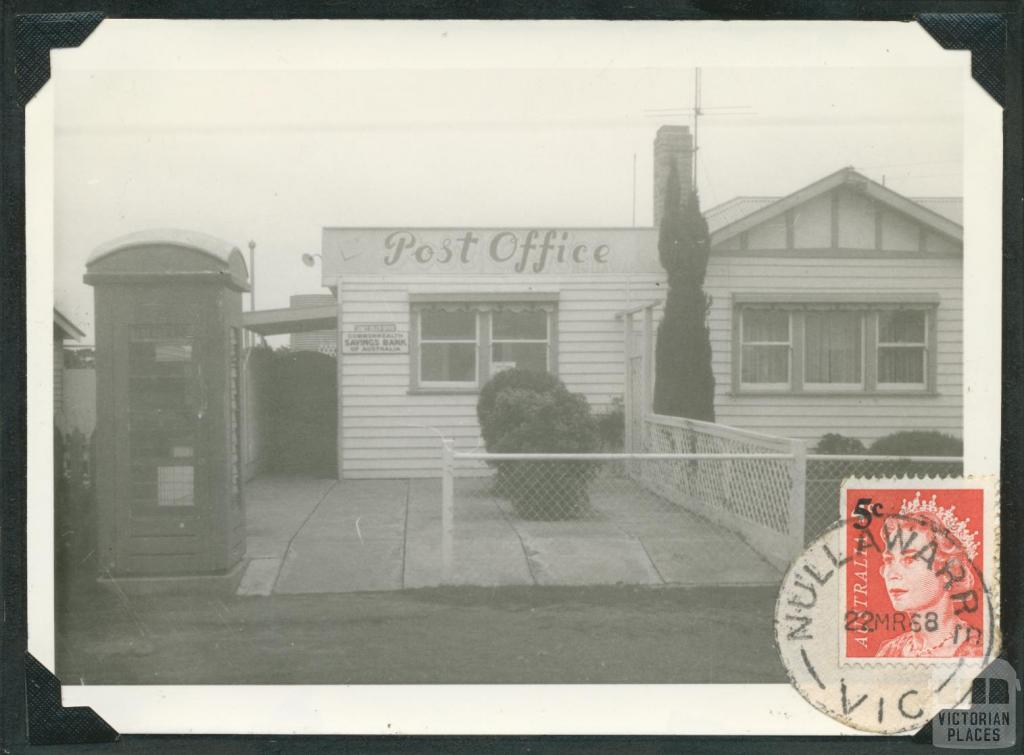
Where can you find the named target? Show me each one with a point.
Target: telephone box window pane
(438, 325)
(167, 358)
(448, 362)
(174, 486)
(173, 352)
(520, 326)
(170, 395)
(525, 356)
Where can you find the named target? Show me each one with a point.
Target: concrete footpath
(329, 536)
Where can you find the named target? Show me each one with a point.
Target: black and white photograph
(497, 368)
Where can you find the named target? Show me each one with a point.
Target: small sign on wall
(374, 338)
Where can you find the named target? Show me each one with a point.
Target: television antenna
(696, 112)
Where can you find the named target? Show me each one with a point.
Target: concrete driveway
(329, 536)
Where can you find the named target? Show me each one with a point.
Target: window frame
(546, 340)
(926, 355)
(797, 305)
(816, 387)
(447, 384)
(780, 387)
(179, 431)
(483, 309)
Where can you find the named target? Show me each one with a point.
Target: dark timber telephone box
(168, 406)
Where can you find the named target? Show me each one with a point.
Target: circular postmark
(887, 617)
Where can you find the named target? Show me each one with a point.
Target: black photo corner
(32, 711)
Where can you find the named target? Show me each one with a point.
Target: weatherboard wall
(808, 416)
(388, 431)
(834, 246)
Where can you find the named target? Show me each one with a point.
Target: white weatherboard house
(838, 309)
(834, 309)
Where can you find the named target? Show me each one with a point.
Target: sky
(337, 128)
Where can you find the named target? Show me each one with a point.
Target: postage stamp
(912, 583)
(892, 613)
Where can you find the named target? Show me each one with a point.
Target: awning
(273, 322)
(67, 328)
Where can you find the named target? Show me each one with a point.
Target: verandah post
(447, 506)
(798, 496)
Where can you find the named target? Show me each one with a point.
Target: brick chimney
(672, 144)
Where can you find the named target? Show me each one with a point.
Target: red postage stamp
(915, 571)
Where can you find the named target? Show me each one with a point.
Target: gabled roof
(941, 214)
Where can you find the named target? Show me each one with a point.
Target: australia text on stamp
(889, 616)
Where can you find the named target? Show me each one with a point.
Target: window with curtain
(833, 349)
(902, 348)
(808, 347)
(765, 348)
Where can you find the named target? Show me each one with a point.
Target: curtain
(902, 364)
(760, 325)
(765, 364)
(832, 347)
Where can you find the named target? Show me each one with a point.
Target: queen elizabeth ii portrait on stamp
(913, 580)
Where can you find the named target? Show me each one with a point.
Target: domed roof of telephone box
(154, 251)
(197, 240)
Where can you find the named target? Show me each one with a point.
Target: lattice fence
(753, 485)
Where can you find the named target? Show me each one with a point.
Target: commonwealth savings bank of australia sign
(508, 251)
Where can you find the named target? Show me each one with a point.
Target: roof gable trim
(844, 177)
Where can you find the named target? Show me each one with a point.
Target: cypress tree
(684, 385)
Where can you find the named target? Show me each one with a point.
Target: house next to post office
(837, 308)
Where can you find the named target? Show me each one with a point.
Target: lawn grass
(465, 635)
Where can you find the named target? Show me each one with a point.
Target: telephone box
(168, 406)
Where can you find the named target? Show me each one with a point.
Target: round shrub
(834, 443)
(493, 427)
(917, 443)
(531, 412)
